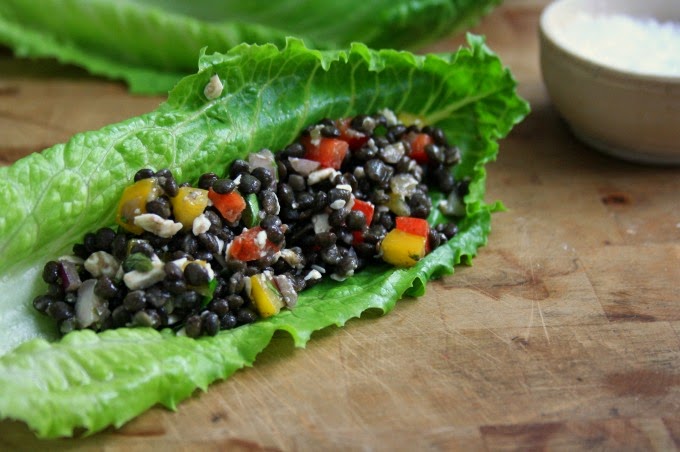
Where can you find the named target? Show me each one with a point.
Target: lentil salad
(199, 259)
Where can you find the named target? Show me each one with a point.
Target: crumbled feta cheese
(101, 263)
(214, 88)
(291, 257)
(313, 274)
(319, 175)
(338, 204)
(390, 116)
(181, 262)
(135, 279)
(157, 225)
(392, 153)
(315, 134)
(350, 203)
(201, 225)
(320, 223)
(403, 184)
(371, 144)
(261, 239)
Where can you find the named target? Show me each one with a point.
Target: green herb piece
(49, 200)
(252, 210)
(138, 262)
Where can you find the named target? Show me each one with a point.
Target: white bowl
(632, 115)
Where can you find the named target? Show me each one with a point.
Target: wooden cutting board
(565, 334)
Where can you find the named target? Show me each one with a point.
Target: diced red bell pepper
(366, 207)
(230, 205)
(412, 225)
(418, 144)
(415, 226)
(251, 245)
(330, 152)
(354, 138)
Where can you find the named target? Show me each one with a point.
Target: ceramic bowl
(627, 114)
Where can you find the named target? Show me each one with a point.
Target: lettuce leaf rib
(51, 199)
(151, 44)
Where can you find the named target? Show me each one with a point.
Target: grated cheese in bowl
(634, 44)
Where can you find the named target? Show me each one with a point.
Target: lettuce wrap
(49, 200)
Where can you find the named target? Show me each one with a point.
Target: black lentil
(320, 200)
(90, 242)
(55, 290)
(59, 310)
(42, 302)
(50, 272)
(238, 167)
(104, 239)
(169, 185)
(294, 150)
(120, 317)
(207, 180)
(275, 235)
(144, 173)
(245, 315)
(325, 239)
(235, 302)
(337, 217)
(266, 177)
(175, 287)
(219, 306)
(193, 326)
(209, 242)
(105, 288)
(297, 182)
(249, 184)
(228, 321)
(147, 317)
(223, 186)
(356, 220)
(286, 195)
(141, 247)
(159, 206)
(134, 301)
(269, 203)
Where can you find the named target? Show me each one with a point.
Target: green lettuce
(151, 44)
(49, 200)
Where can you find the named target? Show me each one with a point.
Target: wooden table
(564, 334)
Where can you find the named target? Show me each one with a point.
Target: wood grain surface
(563, 335)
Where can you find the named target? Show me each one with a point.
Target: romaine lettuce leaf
(151, 44)
(49, 200)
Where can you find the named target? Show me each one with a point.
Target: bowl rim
(547, 34)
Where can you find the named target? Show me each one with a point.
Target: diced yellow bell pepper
(265, 295)
(403, 249)
(188, 204)
(133, 203)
